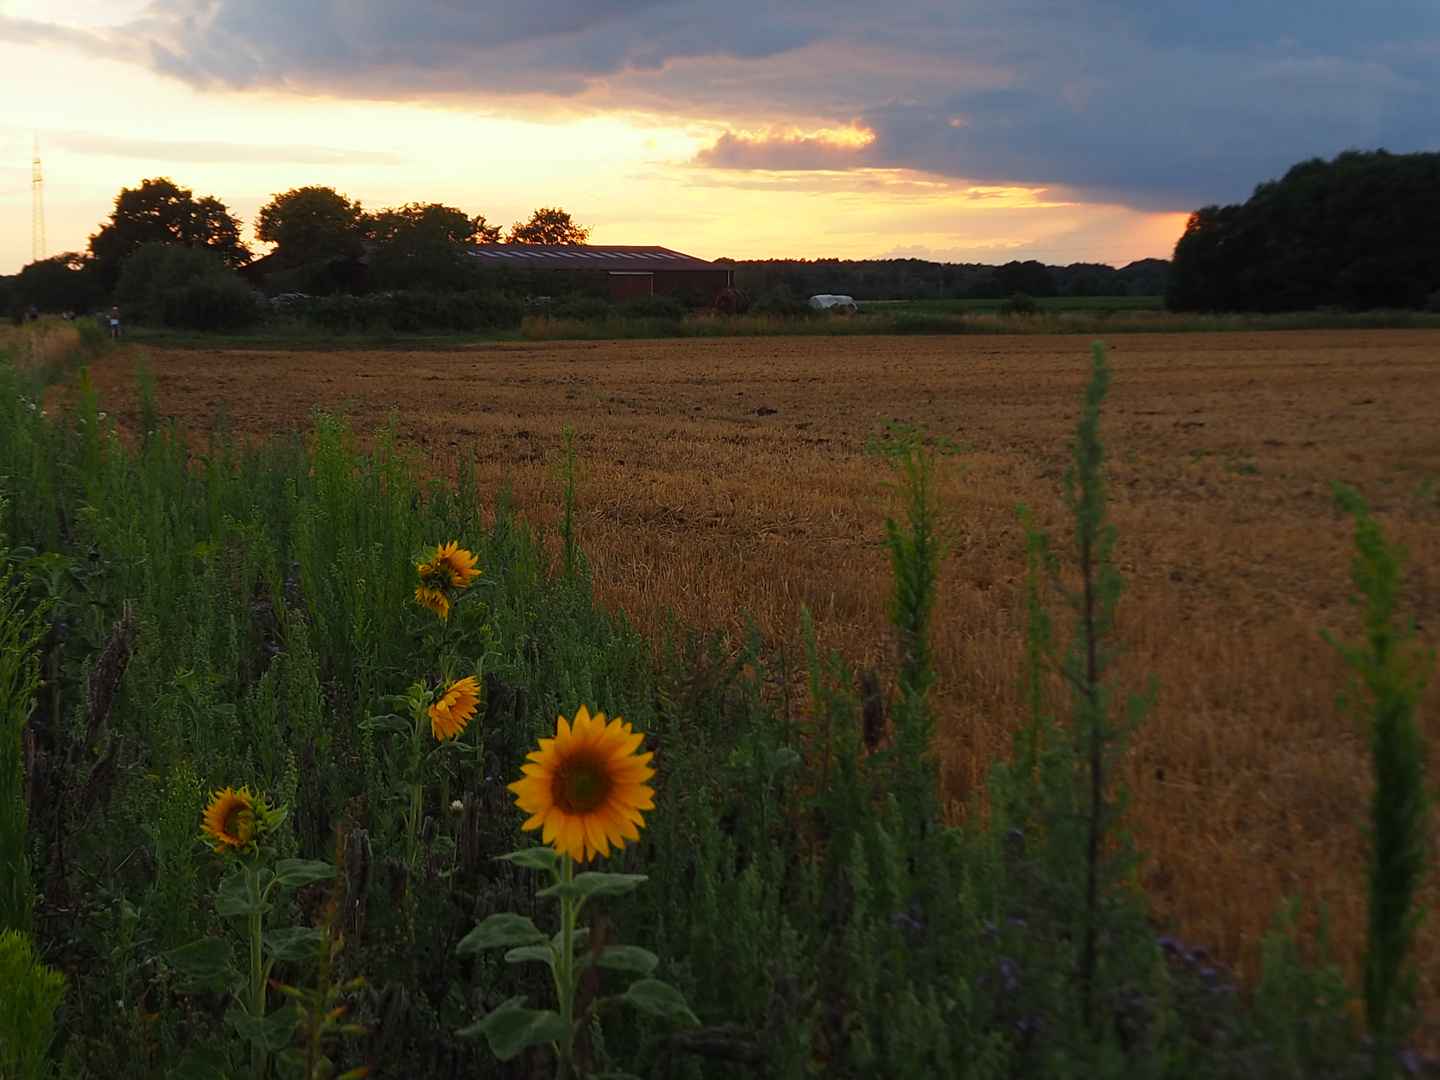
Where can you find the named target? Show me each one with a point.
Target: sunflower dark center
(580, 786)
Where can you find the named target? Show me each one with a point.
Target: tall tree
(428, 225)
(423, 245)
(160, 211)
(311, 225)
(1362, 231)
(548, 225)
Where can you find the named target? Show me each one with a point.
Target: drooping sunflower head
(451, 563)
(455, 707)
(586, 787)
(457, 564)
(434, 599)
(234, 820)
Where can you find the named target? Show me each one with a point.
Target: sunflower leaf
(629, 958)
(271, 1032)
(593, 883)
(511, 1028)
(525, 953)
(205, 1064)
(500, 931)
(579, 941)
(396, 725)
(660, 999)
(295, 872)
(293, 943)
(534, 858)
(232, 899)
(204, 959)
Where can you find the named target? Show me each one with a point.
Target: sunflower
(457, 563)
(586, 786)
(456, 706)
(434, 599)
(451, 560)
(231, 820)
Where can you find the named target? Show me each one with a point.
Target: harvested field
(730, 474)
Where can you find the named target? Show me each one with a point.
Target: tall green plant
(1097, 738)
(20, 631)
(917, 548)
(30, 993)
(1390, 676)
(565, 471)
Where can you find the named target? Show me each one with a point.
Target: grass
(1047, 304)
(1058, 315)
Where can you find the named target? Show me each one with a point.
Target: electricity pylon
(37, 207)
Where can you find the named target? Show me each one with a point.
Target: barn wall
(631, 286)
(706, 282)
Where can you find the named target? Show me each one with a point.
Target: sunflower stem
(256, 1003)
(565, 971)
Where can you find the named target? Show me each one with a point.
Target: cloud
(1157, 105)
(203, 152)
(787, 147)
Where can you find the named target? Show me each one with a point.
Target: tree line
(163, 253)
(1356, 233)
(920, 279)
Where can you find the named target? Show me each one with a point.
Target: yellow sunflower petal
(595, 835)
(585, 787)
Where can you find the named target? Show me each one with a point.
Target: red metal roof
(588, 257)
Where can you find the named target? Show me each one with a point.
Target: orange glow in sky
(636, 178)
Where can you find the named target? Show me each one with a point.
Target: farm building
(633, 271)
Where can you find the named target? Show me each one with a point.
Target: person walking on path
(115, 323)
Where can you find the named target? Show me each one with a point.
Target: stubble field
(724, 476)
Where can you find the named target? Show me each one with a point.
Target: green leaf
(512, 1027)
(579, 941)
(271, 1032)
(207, 1063)
(295, 872)
(206, 961)
(783, 760)
(293, 943)
(500, 931)
(534, 858)
(395, 725)
(525, 953)
(629, 958)
(660, 999)
(593, 883)
(232, 899)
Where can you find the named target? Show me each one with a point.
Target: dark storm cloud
(1148, 102)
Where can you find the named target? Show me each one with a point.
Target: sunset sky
(964, 130)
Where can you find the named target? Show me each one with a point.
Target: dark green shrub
(1019, 304)
(659, 306)
(412, 312)
(781, 301)
(218, 305)
(182, 286)
(584, 308)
